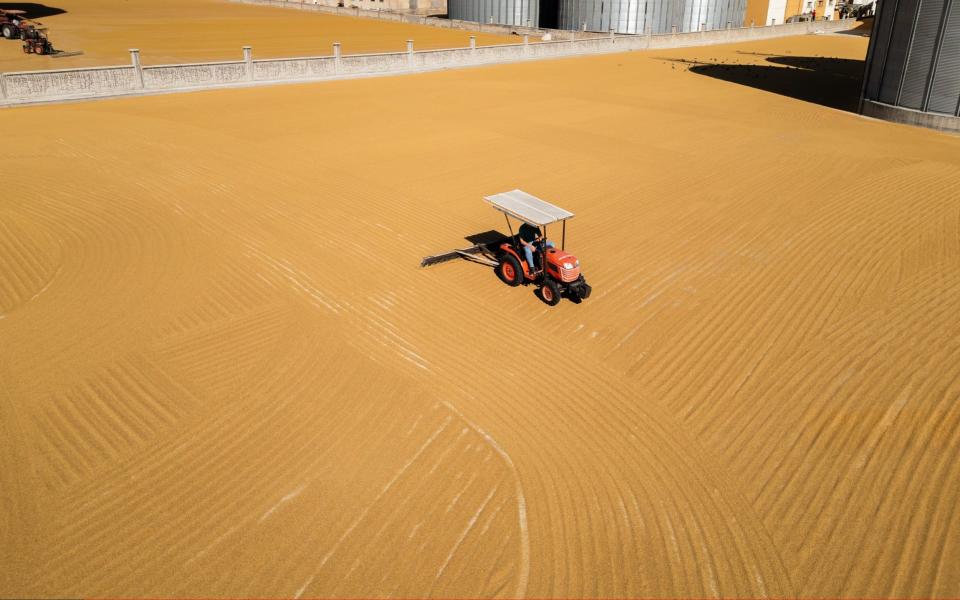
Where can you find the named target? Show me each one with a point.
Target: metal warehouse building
(520, 13)
(913, 63)
(622, 16)
(651, 16)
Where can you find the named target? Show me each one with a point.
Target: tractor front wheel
(550, 292)
(509, 270)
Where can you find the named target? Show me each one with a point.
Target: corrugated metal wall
(914, 55)
(502, 12)
(651, 16)
(624, 16)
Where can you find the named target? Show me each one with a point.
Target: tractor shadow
(833, 82)
(32, 9)
(491, 239)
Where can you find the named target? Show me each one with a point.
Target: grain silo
(622, 16)
(913, 64)
(519, 13)
(651, 16)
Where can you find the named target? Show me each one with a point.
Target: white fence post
(135, 60)
(248, 61)
(410, 53)
(3, 88)
(336, 58)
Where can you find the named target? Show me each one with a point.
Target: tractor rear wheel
(550, 292)
(8, 31)
(509, 270)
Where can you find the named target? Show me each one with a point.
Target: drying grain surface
(176, 31)
(222, 371)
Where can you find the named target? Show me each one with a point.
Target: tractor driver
(529, 236)
(532, 242)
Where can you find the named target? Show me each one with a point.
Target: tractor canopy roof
(529, 209)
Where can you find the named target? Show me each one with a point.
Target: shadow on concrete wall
(863, 29)
(833, 82)
(32, 9)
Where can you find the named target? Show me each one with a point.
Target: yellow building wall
(756, 12)
(794, 7)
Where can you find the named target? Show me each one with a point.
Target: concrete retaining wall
(164, 77)
(102, 82)
(294, 68)
(909, 116)
(18, 87)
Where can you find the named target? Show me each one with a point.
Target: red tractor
(35, 40)
(10, 22)
(556, 271)
(15, 25)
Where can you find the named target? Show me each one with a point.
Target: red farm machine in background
(10, 21)
(15, 25)
(35, 41)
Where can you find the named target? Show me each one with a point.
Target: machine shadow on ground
(491, 238)
(32, 9)
(833, 82)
